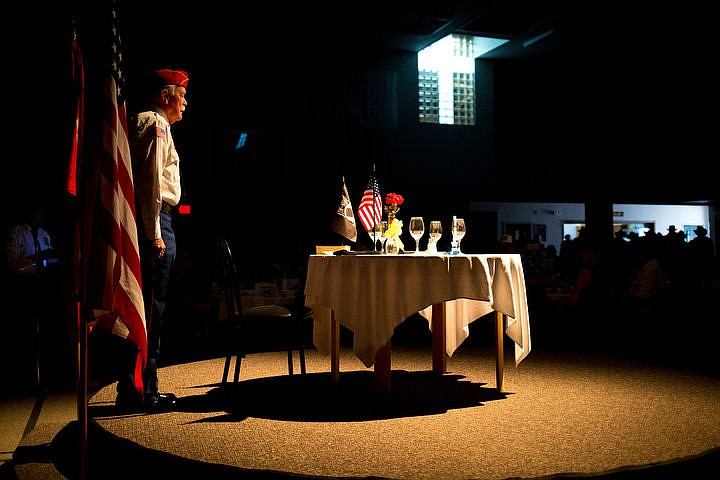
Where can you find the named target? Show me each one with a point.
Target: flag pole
(76, 189)
(82, 398)
(375, 195)
(343, 182)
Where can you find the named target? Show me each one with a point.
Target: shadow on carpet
(111, 457)
(300, 398)
(316, 398)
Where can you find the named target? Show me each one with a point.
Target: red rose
(394, 199)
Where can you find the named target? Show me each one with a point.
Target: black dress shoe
(160, 402)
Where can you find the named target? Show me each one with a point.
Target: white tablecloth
(372, 294)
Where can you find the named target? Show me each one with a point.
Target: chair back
(229, 278)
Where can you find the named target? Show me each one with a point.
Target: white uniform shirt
(156, 168)
(20, 247)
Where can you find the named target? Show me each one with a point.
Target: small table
(372, 294)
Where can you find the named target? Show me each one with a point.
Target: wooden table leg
(500, 358)
(334, 348)
(439, 357)
(382, 371)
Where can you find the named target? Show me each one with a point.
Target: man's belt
(167, 208)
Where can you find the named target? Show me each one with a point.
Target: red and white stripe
(115, 253)
(370, 209)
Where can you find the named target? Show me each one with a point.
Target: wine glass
(435, 232)
(376, 233)
(417, 229)
(383, 239)
(458, 232)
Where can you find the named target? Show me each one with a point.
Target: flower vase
(391, 246)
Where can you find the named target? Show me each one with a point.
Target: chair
(259, 328)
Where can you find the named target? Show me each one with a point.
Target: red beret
(173, 77)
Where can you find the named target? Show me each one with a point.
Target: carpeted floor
(609, 394)
(561, 415)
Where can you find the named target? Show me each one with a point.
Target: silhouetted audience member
(702, 245)
(592, 282)
(671, 255)
(701, 251)
(620, 259)
(566, 244)
(568, 257)
(506, 245)
(28, 245)
(33, 307)
(647, 277)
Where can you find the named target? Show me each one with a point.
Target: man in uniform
(156, 175)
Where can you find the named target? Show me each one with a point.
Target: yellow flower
(394, 229)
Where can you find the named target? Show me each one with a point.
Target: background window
(446, 79)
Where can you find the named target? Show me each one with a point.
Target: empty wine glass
(435, 232)
(376, 233)
(417, 229)
(458, 232)
(383, 238)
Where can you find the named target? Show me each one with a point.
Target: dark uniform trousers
(156, 278)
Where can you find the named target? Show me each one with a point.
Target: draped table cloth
(372, 294)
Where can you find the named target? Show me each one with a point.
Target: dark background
(615, 106)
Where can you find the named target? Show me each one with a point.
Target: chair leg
(290, 362)
(226, 369)
(302, 361)
(238, 360)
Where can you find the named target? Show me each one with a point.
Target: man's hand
(159, 247)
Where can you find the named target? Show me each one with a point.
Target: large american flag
(370, 209)
(113, 285)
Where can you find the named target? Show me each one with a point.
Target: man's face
(176, 104)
